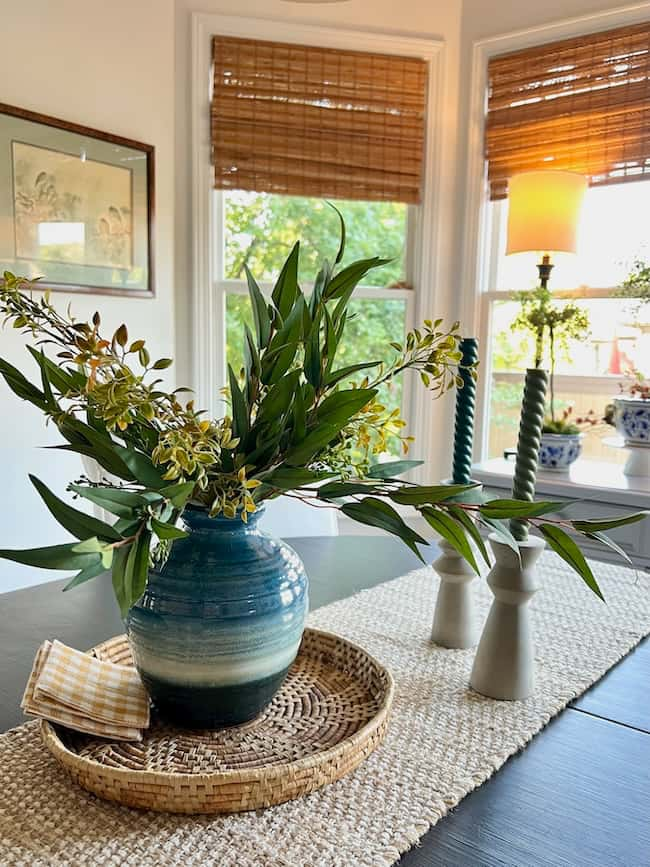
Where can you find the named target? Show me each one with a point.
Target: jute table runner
(443, 742)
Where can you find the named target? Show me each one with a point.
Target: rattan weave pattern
(442, 742)
(330, 714)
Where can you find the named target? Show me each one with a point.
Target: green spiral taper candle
(465, 406)
(530, 434)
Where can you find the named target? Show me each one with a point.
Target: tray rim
(69, 759)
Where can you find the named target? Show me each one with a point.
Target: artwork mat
(63, 137)
(86, 163)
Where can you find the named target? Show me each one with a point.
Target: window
(580, 104)
(259, 230)
(293, 126)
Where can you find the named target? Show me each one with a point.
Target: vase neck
(198, 519)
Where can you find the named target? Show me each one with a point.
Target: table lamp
(543, 211)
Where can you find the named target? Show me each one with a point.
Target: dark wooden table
(579, 794)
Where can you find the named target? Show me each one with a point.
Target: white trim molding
(208, 312)
(476, 231)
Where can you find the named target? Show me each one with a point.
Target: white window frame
(423, 238)
(480, 241)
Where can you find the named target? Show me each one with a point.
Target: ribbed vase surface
(220, 622)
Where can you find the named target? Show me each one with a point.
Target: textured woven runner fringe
(443, 741)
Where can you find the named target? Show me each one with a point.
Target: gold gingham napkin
(86, 694)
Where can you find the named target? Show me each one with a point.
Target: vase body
(632, 419)
(219, 623)
(504, 663)
(558, 451)
(455, 623)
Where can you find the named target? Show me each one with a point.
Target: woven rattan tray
(330, 714)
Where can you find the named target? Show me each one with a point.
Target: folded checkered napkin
(86, 694)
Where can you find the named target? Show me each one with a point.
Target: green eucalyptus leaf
(261, 318)
(345, 372)
(304, 451)
(593, 525)
(422, 495)
(47, 388)
(597, 536)
(21, 386)
(341, 250)
(178, 494)
(239, 408)
(252, 364)
(471, 529)
(377, 513)
(331, 342)
(89, 546)
(349, 277)
(391, 469)
(137, 569)
(336, 490)
(87, 574)
(453, 531)
(565, 546)
(284, 345)
(502, 532)
(124, 504)
(52, 557)
(141, 466)
(312, 362)
(321, 281)
(299, 416)
(286, 289)
(85, 440)
(340, 407)
(500, 509)
(278, 398)
(290, 478)
(167, 531)
(62, 379)
(78, 523)
(118, 571)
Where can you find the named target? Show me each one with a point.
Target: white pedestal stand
(638, 461)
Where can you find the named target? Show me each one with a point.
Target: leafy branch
(300, 424)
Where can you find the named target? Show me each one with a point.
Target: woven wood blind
(308, 121)
(581, 104)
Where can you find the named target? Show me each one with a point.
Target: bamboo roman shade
(307, 121)
(581, 104)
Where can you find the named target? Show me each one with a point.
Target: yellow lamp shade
(543, 211)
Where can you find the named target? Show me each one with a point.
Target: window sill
(585, 480)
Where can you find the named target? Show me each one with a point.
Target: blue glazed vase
(219, 623)
(632, 419)
(559, 451)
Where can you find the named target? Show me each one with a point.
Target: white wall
(108, 66)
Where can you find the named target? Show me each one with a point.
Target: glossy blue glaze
(632, 419)
(220, 622)
(559, 451)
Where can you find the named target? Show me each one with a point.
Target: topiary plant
(541, 315)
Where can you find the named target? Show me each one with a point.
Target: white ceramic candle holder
(504, 663)
(455, 623)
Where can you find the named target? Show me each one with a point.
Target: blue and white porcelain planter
(559, 451)
(632, 419)
(219, 623)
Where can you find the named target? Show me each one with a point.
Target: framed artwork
(76, 205)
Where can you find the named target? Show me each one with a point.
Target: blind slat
(301, 120)
(581, 104)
